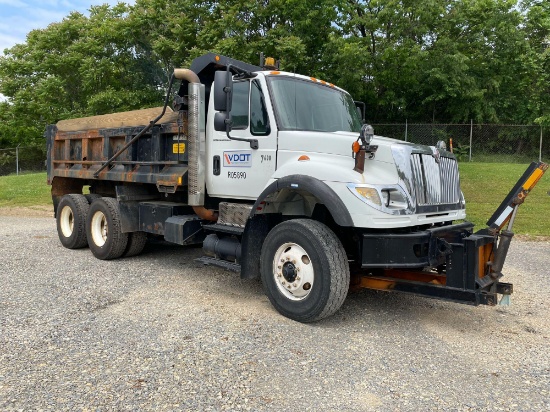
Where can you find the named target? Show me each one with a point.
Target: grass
(24, 190)
(485, 185)
(502, 158)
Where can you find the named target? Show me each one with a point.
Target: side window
(259, 121)
(239, 107)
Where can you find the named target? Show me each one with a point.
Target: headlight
(394, 199)
(390, 199)
(370, 194)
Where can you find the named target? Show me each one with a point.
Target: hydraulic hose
(143, 131)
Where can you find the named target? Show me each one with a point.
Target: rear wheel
(136, 243)
(304, 269)
(103, 229)
(91, 197)
(72, 212)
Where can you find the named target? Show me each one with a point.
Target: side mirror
(223, 91)
(222, 122)
(361, 109)
(223, 96)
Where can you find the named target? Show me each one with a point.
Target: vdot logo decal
(240, 158)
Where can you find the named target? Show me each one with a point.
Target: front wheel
(304, 269)
(103, 229)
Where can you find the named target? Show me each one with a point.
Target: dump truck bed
(77, 148)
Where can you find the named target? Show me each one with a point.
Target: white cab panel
(244, 172)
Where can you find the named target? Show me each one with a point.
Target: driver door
(234, 169)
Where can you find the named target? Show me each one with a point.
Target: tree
(430, 61)
(437, 60)
(537, 31)
(78, 67)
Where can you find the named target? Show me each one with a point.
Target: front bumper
(426, 248)
(446, 262)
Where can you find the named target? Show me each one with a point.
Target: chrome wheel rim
(293, 271)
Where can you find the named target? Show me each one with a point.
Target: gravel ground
(161, 332)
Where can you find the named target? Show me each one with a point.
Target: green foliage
(537, 30)
(440, 61)
(432, 61)
(462, 152)
(78, 67)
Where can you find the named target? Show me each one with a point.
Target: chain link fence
(471, 142)
(22, 159)
(478, 142)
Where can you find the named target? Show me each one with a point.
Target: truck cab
(306, 126)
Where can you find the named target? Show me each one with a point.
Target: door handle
(216, 169)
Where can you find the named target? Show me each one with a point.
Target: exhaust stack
(196, 144)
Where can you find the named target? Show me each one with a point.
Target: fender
(258, 224)
(315, 187)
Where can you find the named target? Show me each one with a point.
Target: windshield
(304, 105)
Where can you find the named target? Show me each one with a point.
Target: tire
(72, 213)
(304, 270)
(136, 243)
(103, 229)
(91, 197)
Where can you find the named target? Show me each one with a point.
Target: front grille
(435, 183)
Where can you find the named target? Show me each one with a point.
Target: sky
(18, 17)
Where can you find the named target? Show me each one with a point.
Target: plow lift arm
(472, 263)
(506, 214)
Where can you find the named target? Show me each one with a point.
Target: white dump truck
(277, 176)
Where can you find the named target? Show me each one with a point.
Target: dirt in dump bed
(114, 120)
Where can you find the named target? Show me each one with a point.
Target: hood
(334, 143)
